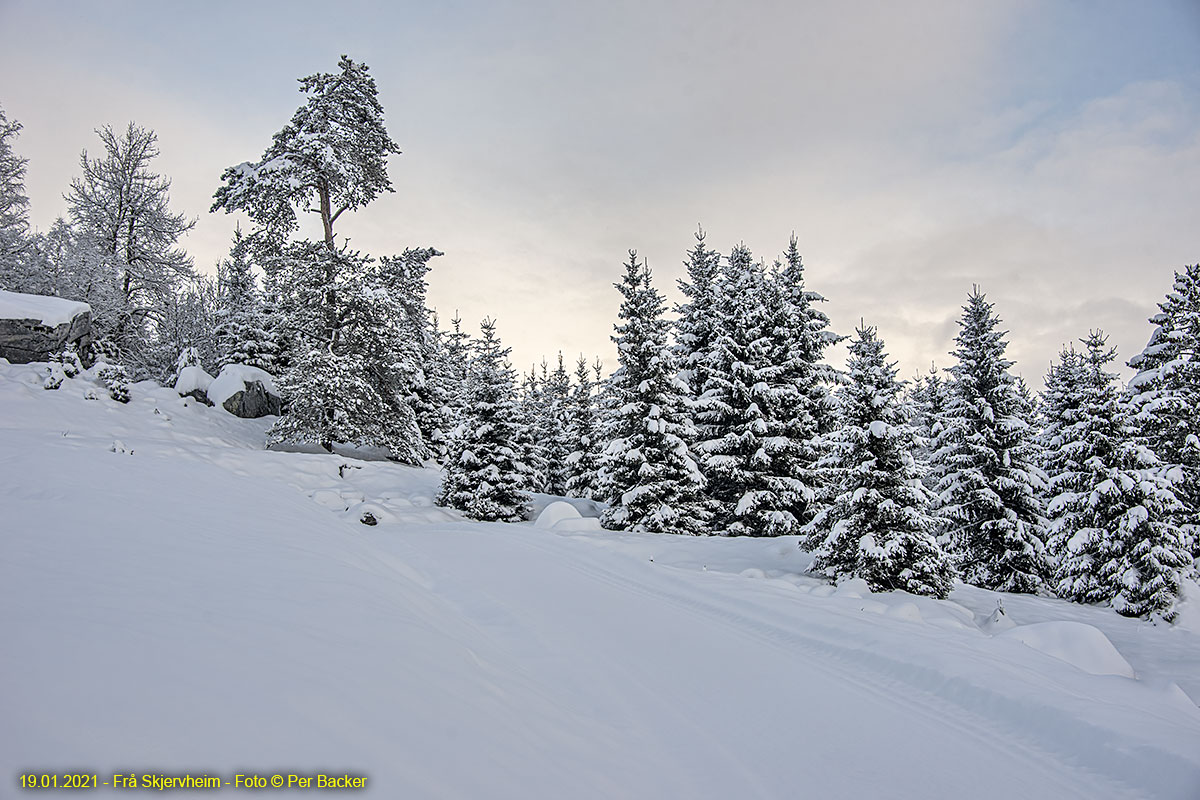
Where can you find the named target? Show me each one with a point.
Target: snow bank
(191, 379)
(1081, 645)
(233, 379)
(49, 311)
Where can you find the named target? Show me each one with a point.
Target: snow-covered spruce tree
(1113, 511)
(121, 206)
(808, 329)
(484, 476)
(751, 461)
(583, 436)
(528, 440)
(351, 318)
(878, 527)
(1165, 396)
(799, 332)
(656, 483)
(927, 399)
(243, 327)
(554, 425)
(435, 417)
(608, 405)
(458, 349)
(988, 485)
(696, 323)
(14, 208)
(1063, 440)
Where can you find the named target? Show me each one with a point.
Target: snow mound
(191, 379)
(233, 379)
(555, 513)
(1077, 643)
(49, 311)
(854, 587)
(563, 516)
(997, 622)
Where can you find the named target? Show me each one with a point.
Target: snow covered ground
(173, 598)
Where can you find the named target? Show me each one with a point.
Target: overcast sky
(1047, 151)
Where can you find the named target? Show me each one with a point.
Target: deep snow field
(174, 598)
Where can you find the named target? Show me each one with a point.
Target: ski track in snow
(447, 658)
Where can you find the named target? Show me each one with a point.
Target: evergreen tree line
(724, 420)
(721, 418)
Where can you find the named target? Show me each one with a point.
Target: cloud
(914, 148)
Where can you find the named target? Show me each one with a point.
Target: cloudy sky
(1047, 151)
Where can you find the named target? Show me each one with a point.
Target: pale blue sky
(1048, 151)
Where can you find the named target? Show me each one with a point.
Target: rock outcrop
(32, 326)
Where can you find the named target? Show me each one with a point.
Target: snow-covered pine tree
(1113, 511)
(1165, 396)
(351, 319)
(554, 426)
(244, 334)
(583, 432)
(1063, 441)
(435, 417)
(799, 334)
(657, 485)
(607, 406)
(751, 460)
(528, 438)
(928, 399)
(809, 329)
(484, 476)
(987, 482)
(458, 350)
(696, 323)
(878, 527)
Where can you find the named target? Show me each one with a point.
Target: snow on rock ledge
(1076, 643)
(33, 326)
(246, 392)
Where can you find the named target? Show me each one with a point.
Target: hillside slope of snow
(174, 598)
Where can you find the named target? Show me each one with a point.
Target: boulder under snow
(194, 382)
(246, 392)
(33, 326)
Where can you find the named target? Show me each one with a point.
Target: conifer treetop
(333, 153)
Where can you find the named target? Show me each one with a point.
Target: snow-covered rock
(194, 382)
(32, 326)
(246, 392)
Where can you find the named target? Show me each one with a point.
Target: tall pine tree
(878, 527)
(485, 477)
(1165, 396)
(751, 457)
(583, 431)
(358, 326)
(988, 484)
(656, 483)
(1113, 512)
